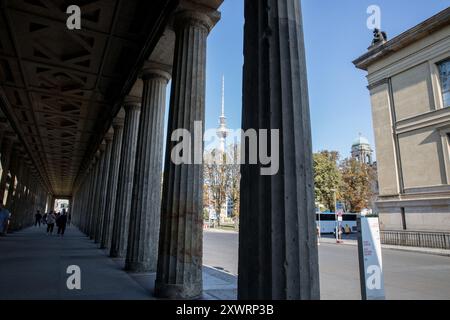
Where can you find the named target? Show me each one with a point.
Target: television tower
(222, 131)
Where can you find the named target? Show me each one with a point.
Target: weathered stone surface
(103, 189)
(125, 182)
(277, 244)
(179, 271)
(145, 212)
(112, 185)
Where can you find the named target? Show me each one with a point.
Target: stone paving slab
(33, 266)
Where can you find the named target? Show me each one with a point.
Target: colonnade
(118, 200)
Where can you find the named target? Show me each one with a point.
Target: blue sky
(335, 34)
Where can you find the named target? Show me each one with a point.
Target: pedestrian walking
(51, 219)
(4, 219)
(61, 223)
(38, 218)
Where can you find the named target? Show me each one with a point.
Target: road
(408, 275)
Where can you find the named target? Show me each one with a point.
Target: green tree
(327, 177)
(234, 178)
(357, 184)
(216, 179)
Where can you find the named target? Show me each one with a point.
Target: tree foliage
(216, 179)
(327, 177)
(222, 179)
(357, 184)
(353, 181)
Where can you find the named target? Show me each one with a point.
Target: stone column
(87, 201)
(3, 127)
(142, 251)
(6, 159)
(103, 188)
(105, 241)
(93, 195)
(125, 183)
(98, 190)
(13, 168)
(84, 205)
(277, 239)
(179, 270)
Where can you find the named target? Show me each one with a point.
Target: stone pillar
(105, 241)
(6, 159)
(142, 251)
(88, 198)
(98, 191)
(3, 127)
(125, 183)
(13, 168)
(103, 188)
(179, 270)
(93, 194)
(277, 240)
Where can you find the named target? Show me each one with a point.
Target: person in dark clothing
(44, 218)
(38, 218)
(61, 223)
(51, 218)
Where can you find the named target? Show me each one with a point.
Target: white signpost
(370, 261)
(339, 214)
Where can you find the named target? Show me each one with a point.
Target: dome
(361, 141)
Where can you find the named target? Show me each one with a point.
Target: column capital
(131, 102)
(153, 70)
(118, 123)
(102, 146)
(197, 18)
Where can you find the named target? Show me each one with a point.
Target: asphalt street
(408, 275)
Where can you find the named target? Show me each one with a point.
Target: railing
(439, 240)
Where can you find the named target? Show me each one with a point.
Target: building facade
(409, 83)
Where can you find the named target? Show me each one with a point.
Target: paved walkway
(33, 266)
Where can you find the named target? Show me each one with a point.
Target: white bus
(327, 222)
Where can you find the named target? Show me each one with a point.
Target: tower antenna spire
(223, 96)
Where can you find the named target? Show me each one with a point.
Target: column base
(177, 292)
(114, 254)
(139, 267)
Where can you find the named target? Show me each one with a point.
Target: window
(444, 75)
(448, 144)
(403, 218)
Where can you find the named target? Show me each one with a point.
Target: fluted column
(103, 188)
(125, 183)
(93, 194)
(88, 197)
(179, 270)
(277, 240)
(112, 185)
(142, 251)
(98, 191)
(6, 159)
(2, 131)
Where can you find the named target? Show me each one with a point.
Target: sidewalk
(439, 252)
(219, 230)
(34, 266)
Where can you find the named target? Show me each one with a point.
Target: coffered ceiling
(59, 87)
